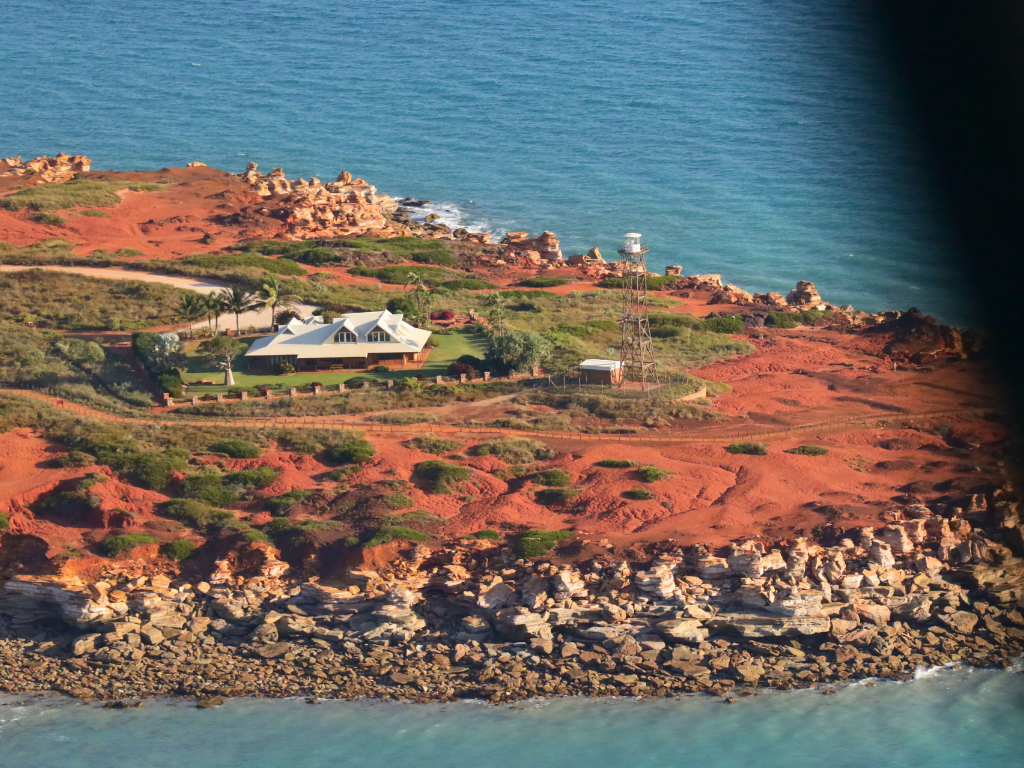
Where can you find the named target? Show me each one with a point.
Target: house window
(377, 336)
(345, 337)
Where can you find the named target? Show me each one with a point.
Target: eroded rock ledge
(937, 585)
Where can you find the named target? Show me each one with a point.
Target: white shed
(594, 371)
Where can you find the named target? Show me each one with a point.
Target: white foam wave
(455, 216)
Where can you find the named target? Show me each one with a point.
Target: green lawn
(448, 349)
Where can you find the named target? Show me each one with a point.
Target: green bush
(515, 450)
(556, 478)
(208, 488)
(397, 500)
(236, 449)
(468, 284)
(341, 474)
(94, 213)
(782, 320)
(538, 543)
(550, 497)
(153, 470)
(732, 324)
(179, 549)
(615, 463)
(354, 450)
(390, 533)
(76, 459)
(542, 281)
(195, 513)
(280, 505)
(749, 449)
(116, 545)
(440, 476)
(255, 536)
(431, 443)
(357, 381)
(653, 474)
(808, 450)
(639, 494)
(437, 259)
(402, 305)
(5, 522)
(487, 534)
(260, 477)
(50, 219)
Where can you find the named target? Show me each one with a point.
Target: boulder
(682, 631)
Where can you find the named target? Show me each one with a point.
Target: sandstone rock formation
(57, 169)
(536, 251)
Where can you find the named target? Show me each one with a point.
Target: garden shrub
(440, 476)
(749, 449)
(236, 449)
(808, 450)
(179, 549)
(538, 543)
(116, 545)
(556, 478)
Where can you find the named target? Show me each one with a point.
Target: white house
(355, 341)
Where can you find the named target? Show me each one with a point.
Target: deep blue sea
(763, 139)
(966, 719)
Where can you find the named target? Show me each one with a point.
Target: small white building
(594, 371)
(355, 341)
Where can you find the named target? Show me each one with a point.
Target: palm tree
(272, 296)
(412, 279)
(214, 307)
(423, 298)
(496, 302)
(191, 308)
(237, 301)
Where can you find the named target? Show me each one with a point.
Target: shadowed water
(762, 139)
(947, 719)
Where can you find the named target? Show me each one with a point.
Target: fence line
(739, 433)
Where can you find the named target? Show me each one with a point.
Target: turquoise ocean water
(969, 719)
(762, 139)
